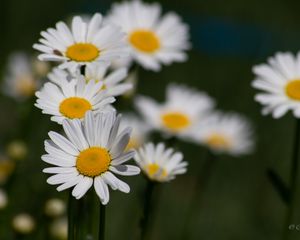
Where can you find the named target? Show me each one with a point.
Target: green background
(229, 37)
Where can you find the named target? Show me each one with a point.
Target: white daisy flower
(153, 39)
(23, 223)
(86, 42)
(90, 154)
(140, 130)
(111, 82)
(160, 163)
(280, 82)
(184, 107)
(20, 81)
(72, 99)
(225, 133)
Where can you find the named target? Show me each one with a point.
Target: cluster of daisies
(95, 57)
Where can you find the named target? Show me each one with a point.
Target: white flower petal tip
(159, 163)
(90, 154)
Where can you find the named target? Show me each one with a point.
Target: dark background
(229, 37)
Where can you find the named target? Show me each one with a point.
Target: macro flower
(279, 80)
(55, 207)
(72, 99)
(225, 133)
(111, 82)
(160, 163)
(17, 150)
(20, 81)
(91, 154)
(183, 108)
(153, 39)
(86, 42)
(140, 130)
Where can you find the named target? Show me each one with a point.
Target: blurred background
(229, 37)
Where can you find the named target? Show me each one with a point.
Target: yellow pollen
(93, 161)
(145, 41)
(83, 52)
(175, 121)
(218, 141)
(74, 107)
(155, 171)
(292, 89)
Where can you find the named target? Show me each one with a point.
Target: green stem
(148, 205)
(102, 222)
(293, 181)
(201, 181)
(71, 218)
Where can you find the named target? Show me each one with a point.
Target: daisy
(84, 43)
(91, 154)
(160, 163)
(154, 39)
(72, 99)
(140, 130)
(280, 82)
(184, 107)
(225, 133)
(20, 81)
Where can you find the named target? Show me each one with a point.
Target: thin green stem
(71, 218)
(102, 222)
(148, 205)
(201, 181)
(293, 181)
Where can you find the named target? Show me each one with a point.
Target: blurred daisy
(3, 199)
(160, 163)
(153, 39)
(140, 130)
(184, 107)
(280, 82)
(86, 42)
(23, 223)
(72, 99)
(55, 207)
(20, 81)
(225, 133)
(7, 167)
(17, 149)
(91, 154)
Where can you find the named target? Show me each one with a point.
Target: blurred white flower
(225, 133)
(59, 229)
(3, 199)
(140, 130)
(17, 149)
(160, 163)
(90, 154)
(280, 82)
(184, 107)
(153, 39)
(23, 223)
(55, 207)
(85, 43)
(20, 81)
(72, 99)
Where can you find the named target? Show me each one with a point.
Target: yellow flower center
(218, 141)
(145, 41)
(83, 52)
(132, 144)
(292, 89)
(6, 168)
(74, 107)
(93, 161)
(156, 172)
(175, 121)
